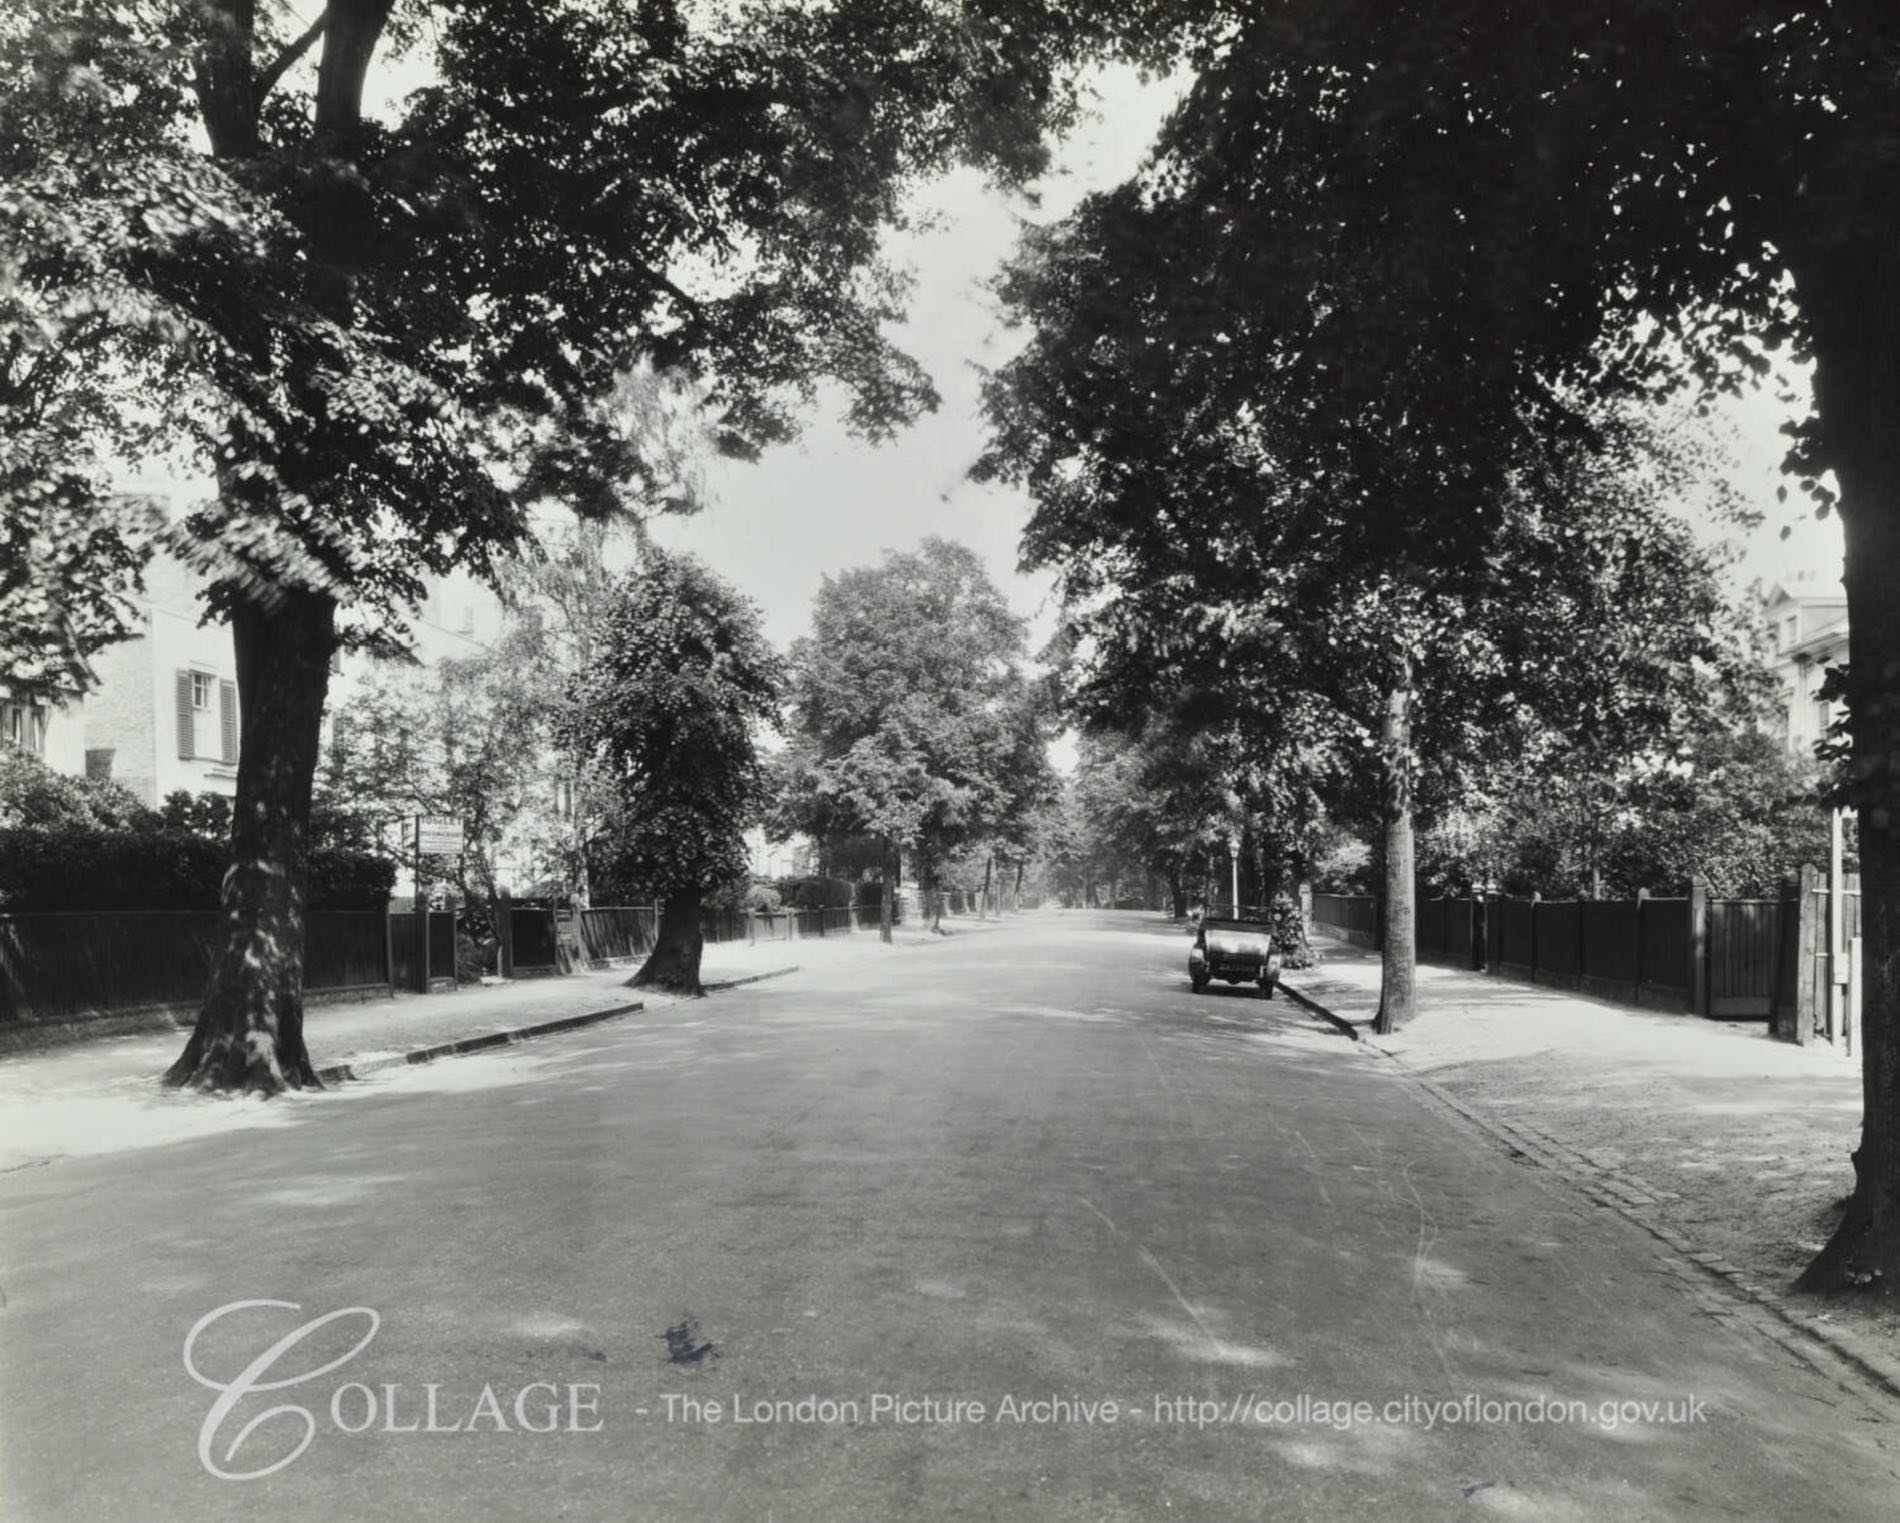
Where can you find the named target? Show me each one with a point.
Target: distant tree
(667, 716)
(467, 737)
(910, 720)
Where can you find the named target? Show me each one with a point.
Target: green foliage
(1737, 811)
(34, 796)
(816, 893)
(912, 719)
(205, 814)
(386, 322)
(46, 869)
(666, 718)
(470, 737)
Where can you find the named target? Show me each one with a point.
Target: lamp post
(1233, 859)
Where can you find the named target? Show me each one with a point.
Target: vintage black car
(1236, 950)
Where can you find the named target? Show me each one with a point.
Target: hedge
(815, 893)
(43, 870)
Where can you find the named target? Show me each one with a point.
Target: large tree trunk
(673, 964)
(1398, 954)
(249, 1034)
(1177, 892)
(933, 898)
(887, 898)
(1851, 303)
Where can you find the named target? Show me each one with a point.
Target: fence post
(1699, 946)
(1537, 897)
(422, 940)
(1642, 912)
(1583, 939)
(1807, 951)
(505, 934)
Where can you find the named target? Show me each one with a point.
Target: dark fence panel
(1517, 952)
(441, 944)
(1666, 942)
(534, 943)
(58, 966)
(610, 932)
(1351, 917)
(405, 952)
(1559, 942)
(345, 949)
(1612, 947)
(1744, 952)
(1461, 926)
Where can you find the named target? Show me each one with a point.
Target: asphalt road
(1026, 1168)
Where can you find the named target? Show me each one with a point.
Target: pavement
(1017, 1227)
(1712, 1130)
(81, 1097)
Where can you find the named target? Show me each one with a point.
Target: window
(1823, 715)
(23, 726)
(99, 765)
(207, 717)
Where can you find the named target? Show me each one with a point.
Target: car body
(1236, 950)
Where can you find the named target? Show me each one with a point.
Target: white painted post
(1837, 969)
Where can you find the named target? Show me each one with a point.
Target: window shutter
(185, 750)
(227, 720)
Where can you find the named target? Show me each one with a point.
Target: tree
(1291, 443)
(667, 715)
(382, 332)
(910, 715)
(1632, 198)
(469, 737)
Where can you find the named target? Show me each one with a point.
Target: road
(1167, 1242)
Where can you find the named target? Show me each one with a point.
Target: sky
(831, 501)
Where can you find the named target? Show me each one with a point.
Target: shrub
(816, 893)
(44, 870)
(34, 796)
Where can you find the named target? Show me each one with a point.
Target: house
(52, 730)
(770, 859)
(164, 713)
(1807, 630)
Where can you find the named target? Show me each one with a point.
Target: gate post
(1807, 952)
(1642, 911)
(505, 935)
(1699, 946)
(422, 937)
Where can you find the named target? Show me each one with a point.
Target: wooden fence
(610, 934)
(1725, 958)
(81, 964)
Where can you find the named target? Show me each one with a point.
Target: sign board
(438, 835)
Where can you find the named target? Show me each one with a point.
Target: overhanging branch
(282, 63)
